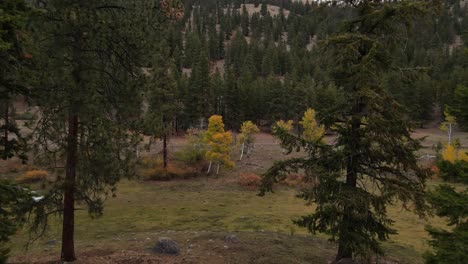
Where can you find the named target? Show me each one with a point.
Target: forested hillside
(260, 60)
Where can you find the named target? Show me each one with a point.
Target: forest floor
(199, 213)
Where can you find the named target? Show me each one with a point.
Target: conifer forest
(234, 131)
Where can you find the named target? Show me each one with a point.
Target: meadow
(199, 213)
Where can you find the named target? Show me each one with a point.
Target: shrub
(194, 151)
(294, 180)
(33, 176)
(151, 162)
(159, 173)
(250, 181)
(453, 172)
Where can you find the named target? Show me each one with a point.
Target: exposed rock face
(167, 246)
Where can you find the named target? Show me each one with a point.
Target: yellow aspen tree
(312, 130)
(463, 155)
(448, 126)
(285, 125)
(449, 153)
(219, 143)
(248, 129)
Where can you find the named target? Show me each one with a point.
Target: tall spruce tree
(162, 98)
(90, 58)
(371, 163)
(13, 65)
(449, 246)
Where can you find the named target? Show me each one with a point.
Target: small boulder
(167, 246)
(231, 239)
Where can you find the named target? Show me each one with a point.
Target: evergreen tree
(373, 150)
(264, 9)
(162, 97)
(90, 59)
(459, 106)
(199, 97)
(449, 246)
(14, 199)
(245, 21)
(15, 203)
(13, 67)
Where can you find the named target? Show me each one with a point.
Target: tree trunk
(351, 181)
(165, 151)
(242, 152)
(68, 224)
(68, 247)
(209, 168)
(217, 170)
(7, 126)
(450, 134)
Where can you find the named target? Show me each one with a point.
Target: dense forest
(266, 65)
(343, 84)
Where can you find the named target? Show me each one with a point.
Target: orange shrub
(294, 180)
(159, 173)
(33, 176)
(250, 181)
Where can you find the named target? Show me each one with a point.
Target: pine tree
(199, 97)
(264, 9)
(15, 203)
(162, 96)
(14, 199)
(13, 65)
(373, 149)
(449, 246)
(90, 57)
(245, 21)
(459, 106)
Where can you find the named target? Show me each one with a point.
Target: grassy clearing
(197, 209)
(212, 205)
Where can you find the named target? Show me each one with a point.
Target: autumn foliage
(454, 165)
(246, 138)
(219, 143)
(33, 176)
(312, 130)
(250, 181)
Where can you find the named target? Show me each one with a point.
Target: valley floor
(199, 213)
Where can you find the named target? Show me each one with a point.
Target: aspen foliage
(246, 138)
(463, 155)
(449, 154)
(219, 142)
(312, 130)
(248, 129)
(285, 125)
